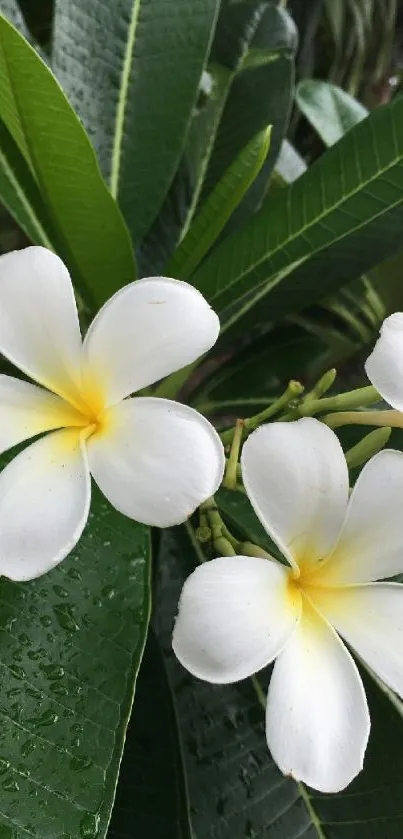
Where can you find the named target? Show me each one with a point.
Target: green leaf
(19, 192)
(261, 369)
(235, 789)
(329, 109)
(260, 95)
(219, 206)
(70, 647)
(333, 228)
(290, 165)
(132, 71)
(94, 240)
(151, 798)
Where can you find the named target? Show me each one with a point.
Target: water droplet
(13, 692)
(88, 621)
(97, 601)
(8, 623)
(45, 620)
(28, 747)
(250, 832)
(60, 591)
(24, 639)
(59, 690)
(221, 804)
(77, 728)
(17, 671)
(10, 785)
(89, 826)
(65, 618)
(109, 592)
(48, 718)
(34, 655)
(36, 694)
(74, 574)
(78, 764)
(4, 765)
(246, 781)
(52, 671)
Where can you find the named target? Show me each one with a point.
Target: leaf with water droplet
(69, 670)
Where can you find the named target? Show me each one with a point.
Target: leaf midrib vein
(325, 214)
(122, 100)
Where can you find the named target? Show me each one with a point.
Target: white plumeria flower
(384, 367)
(237, 614)
(155, 460)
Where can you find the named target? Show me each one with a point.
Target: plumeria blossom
(237, 614)
(155, 460)
(384, 367)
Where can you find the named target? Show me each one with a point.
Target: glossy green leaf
(93, 238)
(219, 206)
(329, 109)
(132, 71)
(290, 165)
(319, 232)
(151, 798)
(260, 95)
(235, 789)
(262, 368)
(19, 192)
(70, 647)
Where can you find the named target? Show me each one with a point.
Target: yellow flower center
(84, 408)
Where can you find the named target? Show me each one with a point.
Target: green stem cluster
(213, 528)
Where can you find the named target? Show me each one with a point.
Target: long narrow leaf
(19, 192)
(333, 226)
(219, 206)
(96, 243)
(330, 110)
(132, 71)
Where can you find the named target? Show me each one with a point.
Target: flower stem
(393, 419)
(230, 476)
(292, 390)
(358, 398)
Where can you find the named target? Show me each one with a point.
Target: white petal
(317, 720)
(146, 331)
(44, 502)
(235, 615)
(384, 367)
(157, 460)
(39, 329)
(370, 618)
(296, 478)
(27, 410)
(371, 542)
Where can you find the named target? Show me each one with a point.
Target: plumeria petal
(317, 720)
(370, 618)
(39, 329)
(371, 541)
(27, 410)
(235, 615)
(296, 478)
(156, 460)
(384, 367)
(147, 330)
(44, 502)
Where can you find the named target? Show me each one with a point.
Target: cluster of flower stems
(350, 408)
